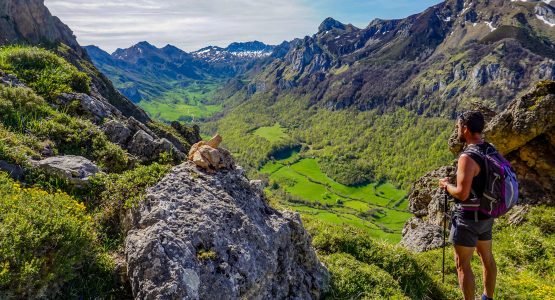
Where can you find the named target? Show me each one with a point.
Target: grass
(43, 71)
(271, 133)
(308, 190)
(525, 257)
(363, 267)
(185, 104)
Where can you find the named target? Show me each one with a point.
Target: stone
(524, 119)
(96, 109)
(142, 144)
(15, 171)
(420, 236)
(10, 80)
(212, 236)
(257, 185)
(425, 189)
(208, 156)
(75, 169)
(117, 132)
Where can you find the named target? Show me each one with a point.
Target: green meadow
(184, 104)
(272, 134)
(299, 183)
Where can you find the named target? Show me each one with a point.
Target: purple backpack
(501, 189)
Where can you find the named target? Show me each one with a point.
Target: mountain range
(431, 63)
(143, 71)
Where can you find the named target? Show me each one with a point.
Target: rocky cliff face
(432, 62)
(199, 235)
(30, 22)
(523, 133)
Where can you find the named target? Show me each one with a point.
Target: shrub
(28, 115)
(543, 218)
(18, 106)
(113, 193)
(80, 137)
(352, 279)
(42, 70)
(45, 238)
(17, 148)
(395, 260)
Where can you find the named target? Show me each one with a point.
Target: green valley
(185, 104)
(378, 209)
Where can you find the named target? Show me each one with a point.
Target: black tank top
(478, 182)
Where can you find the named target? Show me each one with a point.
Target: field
(272, 134)
(184, 104)
(299, 183)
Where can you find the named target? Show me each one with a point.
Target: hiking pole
(444, 232)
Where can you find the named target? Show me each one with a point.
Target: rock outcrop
(30, 22)
(201, 235)
(75, 169)
(524, 133)
(139, 140)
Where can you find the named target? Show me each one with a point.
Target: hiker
(471, 229)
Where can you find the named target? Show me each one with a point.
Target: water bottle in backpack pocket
(501, 188)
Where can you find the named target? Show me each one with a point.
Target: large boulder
(75, 169)
(117, 132)
(525, 119)
(148, 148)
(201, 235)
(96, 109)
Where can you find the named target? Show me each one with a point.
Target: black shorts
(467, 232)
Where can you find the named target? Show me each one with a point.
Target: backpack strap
(476, 150)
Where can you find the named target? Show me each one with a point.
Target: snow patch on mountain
(543, 19)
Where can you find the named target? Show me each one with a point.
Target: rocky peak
(30, 22)
(330, 23)
(138, 50)
(212, 235)
(234, 52)
(249, 46)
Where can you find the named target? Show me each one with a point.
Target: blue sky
(193, 24)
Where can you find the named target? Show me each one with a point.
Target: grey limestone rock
(76, 169)
(199, 235)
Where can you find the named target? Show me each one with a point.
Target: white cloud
(188, 24)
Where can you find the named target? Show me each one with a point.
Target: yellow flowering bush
(45, 238)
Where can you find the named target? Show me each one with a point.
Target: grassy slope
(55, 239)
(378, 209)
(525, 256)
